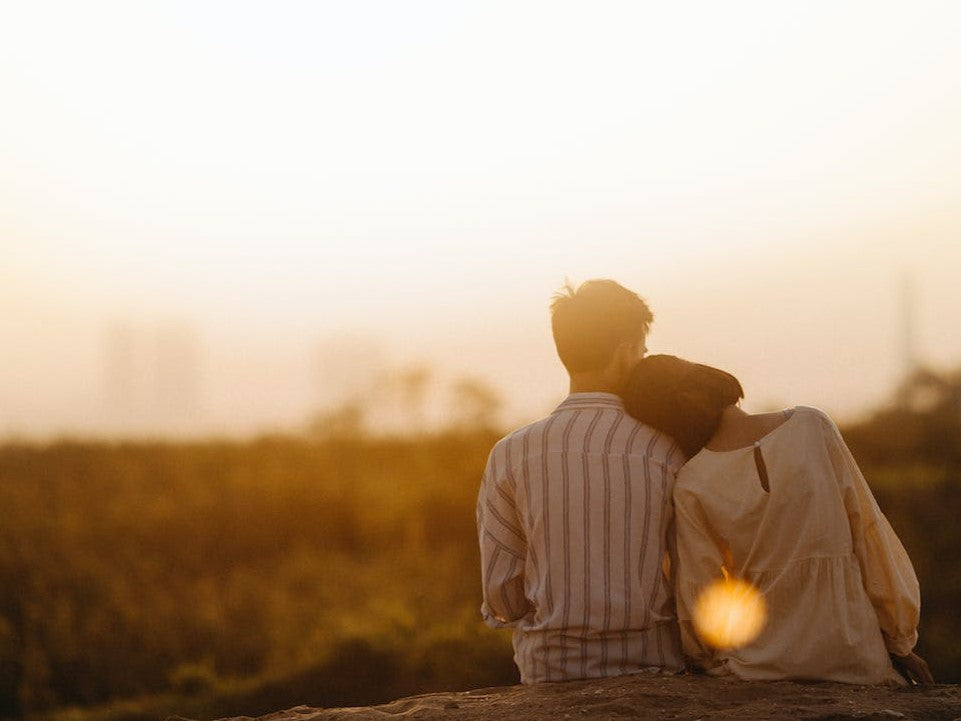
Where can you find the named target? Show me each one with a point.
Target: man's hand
(913, 668)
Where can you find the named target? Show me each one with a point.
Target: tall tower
(908, 335)
(176, 375)
(123, 375)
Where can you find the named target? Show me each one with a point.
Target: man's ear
(624, 358)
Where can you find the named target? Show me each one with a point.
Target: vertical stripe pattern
(572, 515)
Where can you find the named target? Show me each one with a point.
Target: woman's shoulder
(811, 411)
(707, 462)
(815, 416)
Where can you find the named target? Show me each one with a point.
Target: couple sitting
(602, 523)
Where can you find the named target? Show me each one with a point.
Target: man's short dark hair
(681, 398)
(589, 323)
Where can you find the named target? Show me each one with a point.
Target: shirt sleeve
(886, 569)
(699, 561)
(503, 547)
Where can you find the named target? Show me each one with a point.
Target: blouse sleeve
(699, 561)
(886, 569)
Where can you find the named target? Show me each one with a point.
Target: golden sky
(269, 177)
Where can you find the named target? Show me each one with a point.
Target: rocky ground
(658, 698)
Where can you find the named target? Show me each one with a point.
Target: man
(574, 510)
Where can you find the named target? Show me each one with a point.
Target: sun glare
(729, 613)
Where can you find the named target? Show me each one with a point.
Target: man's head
(599, 329)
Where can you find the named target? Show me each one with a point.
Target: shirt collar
(591, 400)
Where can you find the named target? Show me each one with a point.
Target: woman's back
(783, 508)
(773, 502)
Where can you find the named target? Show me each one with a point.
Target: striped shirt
(573, 518)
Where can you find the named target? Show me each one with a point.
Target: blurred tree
(921, 423)
(348, 420)
(474, 405)
(412, 384)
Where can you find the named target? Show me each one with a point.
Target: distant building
(152, 379)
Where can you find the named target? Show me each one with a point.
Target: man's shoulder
(658, 447)
(625, 435)
(511, 447)
(538, 427)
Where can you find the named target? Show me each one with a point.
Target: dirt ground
(658, 698)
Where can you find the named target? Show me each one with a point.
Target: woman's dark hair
(681, 398)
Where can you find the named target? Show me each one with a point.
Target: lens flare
(729, 613)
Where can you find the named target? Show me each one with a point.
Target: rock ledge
(659, 698)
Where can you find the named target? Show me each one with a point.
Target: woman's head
(681, 398)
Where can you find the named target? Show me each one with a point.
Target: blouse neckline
(789, 412)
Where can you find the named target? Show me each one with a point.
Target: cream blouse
(840, 589)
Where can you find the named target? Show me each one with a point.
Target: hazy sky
(270, 177)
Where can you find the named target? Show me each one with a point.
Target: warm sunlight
(306, 401)
(729, 613)
(426, 175)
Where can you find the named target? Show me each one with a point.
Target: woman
(778, 500)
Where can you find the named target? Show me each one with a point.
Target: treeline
(209, 579)
(921, 424)
(135, 569)
(910, 451)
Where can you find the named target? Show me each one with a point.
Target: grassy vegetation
(140, 580)
(240, 576)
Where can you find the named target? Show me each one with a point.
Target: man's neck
(593, 385)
